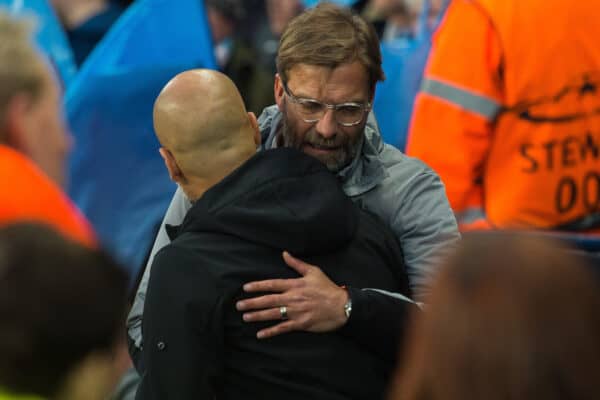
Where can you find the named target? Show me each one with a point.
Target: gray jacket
(401, 190)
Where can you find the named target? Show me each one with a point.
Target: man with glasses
(328, 65)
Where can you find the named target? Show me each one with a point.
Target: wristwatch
(348, 307)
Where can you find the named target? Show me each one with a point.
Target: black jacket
(196, 345)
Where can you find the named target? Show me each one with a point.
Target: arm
(178, 207)
(183, 331)
(455, 111)
(316, 304)
(313, 302)
(424, 225)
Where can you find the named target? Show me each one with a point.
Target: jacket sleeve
(460, 98)
(424, 225)
(378, 321)
(178, 207)
(183, 330)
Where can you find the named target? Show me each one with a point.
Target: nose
(327, 125)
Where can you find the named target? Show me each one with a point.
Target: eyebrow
(301, 96)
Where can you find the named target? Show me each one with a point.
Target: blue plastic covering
(312, 3)
(117, 176)
(404, 61)
(49, 34)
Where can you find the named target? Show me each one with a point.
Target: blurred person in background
(281, 12)
(86, 22)
(34, 141)
(59, 327)
(510, 317)
(390, 18)
(394, 19)
(433, 8)
(278, 13)
(511, 124)
(235, 57)
(406, 42)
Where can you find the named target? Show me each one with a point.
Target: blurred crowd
(245, 33)
(506, 157)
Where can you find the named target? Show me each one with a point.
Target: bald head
(200, 118)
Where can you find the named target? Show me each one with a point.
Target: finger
(298, 265)
(261, 302)
(283, 327)
(271, 285)
(272, 314)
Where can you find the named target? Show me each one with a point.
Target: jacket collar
(363, 173)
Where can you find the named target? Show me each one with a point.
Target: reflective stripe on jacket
(509, 113)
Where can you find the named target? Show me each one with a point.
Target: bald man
(204, 130)
(247, 208)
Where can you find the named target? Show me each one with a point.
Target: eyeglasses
(346, 114)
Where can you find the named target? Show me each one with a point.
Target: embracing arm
(316, 304)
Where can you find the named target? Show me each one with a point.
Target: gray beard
(348, 151)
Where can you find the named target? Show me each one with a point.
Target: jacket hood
(279, 198)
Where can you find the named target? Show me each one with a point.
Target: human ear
(255, 128)
(175, 172)
(279, 92)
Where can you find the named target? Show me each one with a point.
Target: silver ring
(283, 312)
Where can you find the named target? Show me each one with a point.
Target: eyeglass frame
(366, 107)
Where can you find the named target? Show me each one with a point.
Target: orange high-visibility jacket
(27, 194)
(509, 113)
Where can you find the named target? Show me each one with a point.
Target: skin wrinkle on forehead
(318, 86)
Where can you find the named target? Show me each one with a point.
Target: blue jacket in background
(117, 176)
